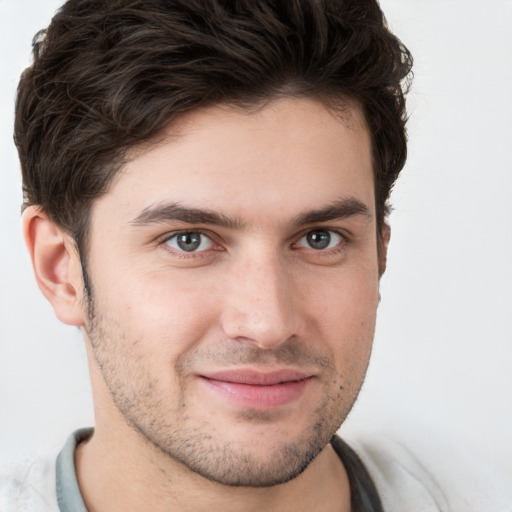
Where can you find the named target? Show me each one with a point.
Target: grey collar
(68, 492)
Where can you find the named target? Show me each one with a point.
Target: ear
(56, 265)
(383, 249)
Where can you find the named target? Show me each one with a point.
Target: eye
(189, 241)
(320, 239)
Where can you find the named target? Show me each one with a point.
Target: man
(206, 186)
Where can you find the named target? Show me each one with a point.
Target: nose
(261, 304)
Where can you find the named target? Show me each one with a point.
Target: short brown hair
(111, 75)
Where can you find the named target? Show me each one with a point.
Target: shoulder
(29, 486)
(429, 476)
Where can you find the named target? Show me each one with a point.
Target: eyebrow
(161, 213)
(340, 209)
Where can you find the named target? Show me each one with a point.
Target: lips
(256, 389)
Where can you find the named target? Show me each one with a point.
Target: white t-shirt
(402, 482)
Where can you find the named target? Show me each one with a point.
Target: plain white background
(442, 363)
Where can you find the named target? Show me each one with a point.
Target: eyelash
(327, 251)
(192, 254)
(340, 246)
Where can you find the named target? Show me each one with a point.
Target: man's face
(234, 282)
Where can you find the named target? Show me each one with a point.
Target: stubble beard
(197, 444)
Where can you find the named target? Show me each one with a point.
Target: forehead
(292, 154)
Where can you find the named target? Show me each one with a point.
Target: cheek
(345, 315)
(349, 297)
(169, 312)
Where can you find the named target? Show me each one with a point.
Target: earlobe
(56, 265)
(383, 249)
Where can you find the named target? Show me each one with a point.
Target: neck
(123, 472)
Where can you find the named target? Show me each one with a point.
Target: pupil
(189, 241)
(319, 239)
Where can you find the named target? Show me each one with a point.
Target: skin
(256, 296)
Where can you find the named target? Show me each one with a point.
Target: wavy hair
(108, 76)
